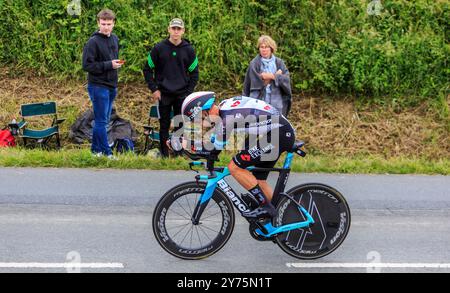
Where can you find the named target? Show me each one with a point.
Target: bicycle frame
(217, 180)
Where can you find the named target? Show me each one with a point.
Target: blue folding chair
(152, 138)
(38, 137)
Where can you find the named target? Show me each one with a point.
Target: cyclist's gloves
(218, 145)
(176, 144)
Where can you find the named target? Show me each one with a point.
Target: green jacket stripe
(150, 62)
(193, 65)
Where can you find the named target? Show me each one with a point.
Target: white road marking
(65, 265)
(369, 265)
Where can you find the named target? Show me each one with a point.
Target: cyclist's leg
(249, 181)
(269, 157)
(261, 177)
(266, 188)
(242, 176)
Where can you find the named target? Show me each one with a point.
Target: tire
(173, 227)
(330, 212)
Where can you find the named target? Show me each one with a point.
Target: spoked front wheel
(331, 215)
(175, 231)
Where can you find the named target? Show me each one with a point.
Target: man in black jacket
(171, 73)
(100, 60)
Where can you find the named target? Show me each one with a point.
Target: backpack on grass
(123, 145)
(6, 138)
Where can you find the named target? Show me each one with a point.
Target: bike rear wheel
(173, 227)
(331, 215)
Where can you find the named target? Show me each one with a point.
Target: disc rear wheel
(331, 215)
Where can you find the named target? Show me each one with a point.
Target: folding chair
(152, 139)
(40, 137)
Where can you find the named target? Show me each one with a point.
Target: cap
(176, 22)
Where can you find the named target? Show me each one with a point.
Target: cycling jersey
(270, 133)
(247, 115)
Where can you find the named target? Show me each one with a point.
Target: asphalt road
(53, 218)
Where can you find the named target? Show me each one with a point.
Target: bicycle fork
(204, 200)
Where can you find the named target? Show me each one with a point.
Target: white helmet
(197, 102)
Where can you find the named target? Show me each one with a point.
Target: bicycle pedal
(252, 229)
(256, 225)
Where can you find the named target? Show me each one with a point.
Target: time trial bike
(195, 219)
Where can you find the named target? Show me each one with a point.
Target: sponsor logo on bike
(162, 228)
(286, 180)
(299, 250)
(341, 229)
(226, 217)
(187, 191)
(323, 192)
(281, 211)
(198, 251)
(231, 195)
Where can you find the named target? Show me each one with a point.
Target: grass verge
(359, 164)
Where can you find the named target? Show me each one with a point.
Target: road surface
(51, 219)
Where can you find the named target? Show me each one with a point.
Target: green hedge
(329, 46)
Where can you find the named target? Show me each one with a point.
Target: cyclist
(269, 135)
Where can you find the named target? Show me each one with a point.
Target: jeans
(102, 100)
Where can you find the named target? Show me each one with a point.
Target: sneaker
(265, 211)
(112, 158)
(154, 153)
(97, 155)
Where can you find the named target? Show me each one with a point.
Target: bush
(329, 46)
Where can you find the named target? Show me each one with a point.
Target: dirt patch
(339, 127)
(328, 126)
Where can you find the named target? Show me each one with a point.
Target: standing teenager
(171, 74)
(101, 61)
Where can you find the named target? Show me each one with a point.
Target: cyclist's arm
(180, 144)
(222, 132)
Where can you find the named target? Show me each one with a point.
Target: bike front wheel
(175, 231)
(331, 215)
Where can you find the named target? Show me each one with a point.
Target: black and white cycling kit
(269, 133)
